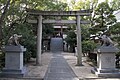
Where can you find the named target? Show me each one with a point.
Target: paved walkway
(59, 69)
(38, 72)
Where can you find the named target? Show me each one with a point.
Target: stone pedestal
(13, 61)
(106, 62)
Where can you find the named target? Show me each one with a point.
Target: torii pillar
(59, 13)
(39, 41)
(79, 45)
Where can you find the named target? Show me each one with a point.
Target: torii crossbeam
(78, 21)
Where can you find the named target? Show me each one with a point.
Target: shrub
(88, 46)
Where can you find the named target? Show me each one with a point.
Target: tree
(47, 31)
(71, 40)
(13, 19)
(115, 30)
(115, 4)
(88, 46)
(4, 8)
(103, 19)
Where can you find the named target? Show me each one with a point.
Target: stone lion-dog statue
(106, 41)
(14, 40)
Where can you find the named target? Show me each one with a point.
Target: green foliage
(47, 31)
(82, 4)
(115, 30)
(56, 5)
(87, 46)
(28, 39)
(71, 38)
(115, 4)
(15, 21)
(85, 32)
(103, 18)
(46, 5)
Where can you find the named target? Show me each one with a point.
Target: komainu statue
(14, 40)
(106, 41)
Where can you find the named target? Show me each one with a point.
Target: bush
(88, 46)
(28, 39)
(71, 40)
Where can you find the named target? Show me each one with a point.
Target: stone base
(13, 73)
(108, 73)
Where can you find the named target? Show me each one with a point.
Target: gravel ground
(35, 72)
(82, 72)
(38, 72)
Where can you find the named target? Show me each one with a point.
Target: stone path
(59, 69)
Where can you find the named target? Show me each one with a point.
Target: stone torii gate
(78, 21)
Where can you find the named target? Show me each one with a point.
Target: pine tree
(103, 18)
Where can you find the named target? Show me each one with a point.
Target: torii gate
(78, 21)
